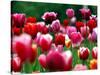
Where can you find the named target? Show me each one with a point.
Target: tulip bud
(83, 53)
(94, 53)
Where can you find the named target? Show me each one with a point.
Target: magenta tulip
(76, 39)
(70, 13)
(55, 26)
(49, 16)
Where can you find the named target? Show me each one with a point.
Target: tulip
(70, 13)
(79, 67)
(65, 22)
(93, 37)
(73, 21)
(93, 64)
(79, 24)
(76, 39)
(22, 45)
(42, 60)
(49, 16)
(16, 31)
(85, 12)
(70, 29)
(59, 39)
(91, 24)
(31, 20)
(31, 29)
(18, 19)
(16, 64)
(84, 31)
(42, 28)
(45, 42)
(94, 53)
(83, 53)
(55, 26)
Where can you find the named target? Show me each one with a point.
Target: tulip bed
(61, 37)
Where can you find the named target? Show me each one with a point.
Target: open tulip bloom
(48, 38)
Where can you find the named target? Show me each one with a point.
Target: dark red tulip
(95, 52)
(79, 24)
(59, 39)
(31, 20)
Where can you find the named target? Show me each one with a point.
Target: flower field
(51, 37)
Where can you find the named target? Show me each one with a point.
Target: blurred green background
(37, 9)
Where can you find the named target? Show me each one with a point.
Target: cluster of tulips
(49, 37)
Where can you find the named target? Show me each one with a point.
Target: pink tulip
(18, 19)
(83, 53)
(55, 26)
(49, 16)
(84, 31)
(56, 59)
(45, 42)
(70, 12)
(79, 67)
(22, 45)
(76, 39)
(42, 60)
(93, 37)
(85, 12)
(70, 29)
(95, 52)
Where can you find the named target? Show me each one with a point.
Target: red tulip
(76, 39)
(45, 42)
(83, 53)
(59, 39)
(22, 45)
(18, 19)
(16, 31)
(94, 53)
(91, 24)
(79, 24)
(31, 20)
(93, 64)
(42, 28)
(31, 29)
(79, 67)
(16, 64)
(65, 22)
